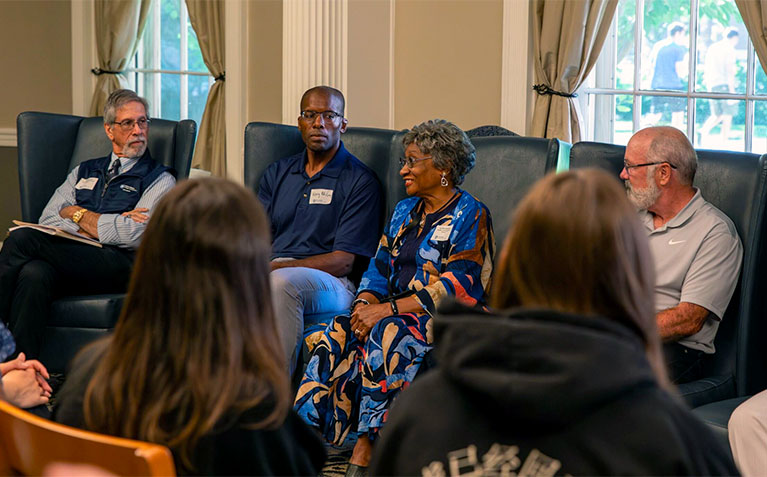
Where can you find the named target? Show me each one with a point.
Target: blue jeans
(299, 290)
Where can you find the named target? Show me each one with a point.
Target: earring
(443, 181)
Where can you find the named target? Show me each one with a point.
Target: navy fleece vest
(123, 192)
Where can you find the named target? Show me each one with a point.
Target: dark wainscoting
(10, 204)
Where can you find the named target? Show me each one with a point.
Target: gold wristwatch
(78, 216)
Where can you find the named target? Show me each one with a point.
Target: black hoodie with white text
(537, 392)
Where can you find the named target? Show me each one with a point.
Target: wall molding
(324, 25)
(516, 69)
(392, 16)
(236, 94)
(8, 137)
(83, 56)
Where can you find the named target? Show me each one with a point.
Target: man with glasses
(695, 246)
(107, 199)
(325, 208)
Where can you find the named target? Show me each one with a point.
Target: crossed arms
(123, 230)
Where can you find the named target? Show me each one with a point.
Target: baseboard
(8, 137)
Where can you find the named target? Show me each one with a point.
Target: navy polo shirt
(339, 208)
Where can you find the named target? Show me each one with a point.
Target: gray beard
(128, 151)
(643, 199)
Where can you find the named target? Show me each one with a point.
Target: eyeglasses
(128, 124)
(628, 166)
(326, 115)
(411, 161)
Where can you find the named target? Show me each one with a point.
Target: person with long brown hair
(566, 377)
(195, 361)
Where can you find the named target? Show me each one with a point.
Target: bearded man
(695, 246)
(107, 199)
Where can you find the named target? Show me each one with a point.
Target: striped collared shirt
(114, 229)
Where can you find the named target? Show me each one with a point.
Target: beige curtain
(207, 17)
(119, 25)
(754, 13)
(567, 38)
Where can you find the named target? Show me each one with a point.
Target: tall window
(168, 68)
(685, 63)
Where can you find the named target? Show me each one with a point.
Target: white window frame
(603, 66)
(236, 41)
(154, 69)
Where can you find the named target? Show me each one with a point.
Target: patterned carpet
(338, 461)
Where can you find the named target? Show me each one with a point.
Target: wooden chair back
(29, 443)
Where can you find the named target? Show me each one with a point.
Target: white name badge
(442, 233)
(88, 183)
(321, 196)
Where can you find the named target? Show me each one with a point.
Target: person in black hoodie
(569, 377)
(195, 361)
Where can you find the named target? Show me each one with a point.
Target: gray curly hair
(450, 147)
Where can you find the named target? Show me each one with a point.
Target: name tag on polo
(321, 196)
(127, 188)
(441, 233)
(87, 183)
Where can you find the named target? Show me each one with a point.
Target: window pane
(719, 66)
(601, 117)
(624, 123)
(615, 69)
(148, 86)
(720, 124)
(147, 54)
(159, 49)
(761, 78)
(666, 25)
(722, 43)
(133, 82)
(759, 141)
(610, 118)
(171, 35)
(664, 111)
(194, 55)
(171, 97)
(198, 95)
(138, 86)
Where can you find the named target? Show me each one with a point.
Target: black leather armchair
(49, 146)
(506, 169)
(490, 130)
(736, 183)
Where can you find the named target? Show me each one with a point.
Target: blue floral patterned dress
(7, 344)
(349, 384)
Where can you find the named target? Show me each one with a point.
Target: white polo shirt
(697, 256)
